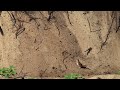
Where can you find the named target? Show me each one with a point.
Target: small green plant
(117, 72)
(73, 76)
(7, 72)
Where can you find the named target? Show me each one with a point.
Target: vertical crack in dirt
(69, 17)
(117, 22)
(65, 56)
(51, 16)
(107, 36)
(1, 31)
(90, 26)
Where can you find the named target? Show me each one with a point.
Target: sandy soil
(39, 47)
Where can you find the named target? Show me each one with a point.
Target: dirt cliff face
(42, 43)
